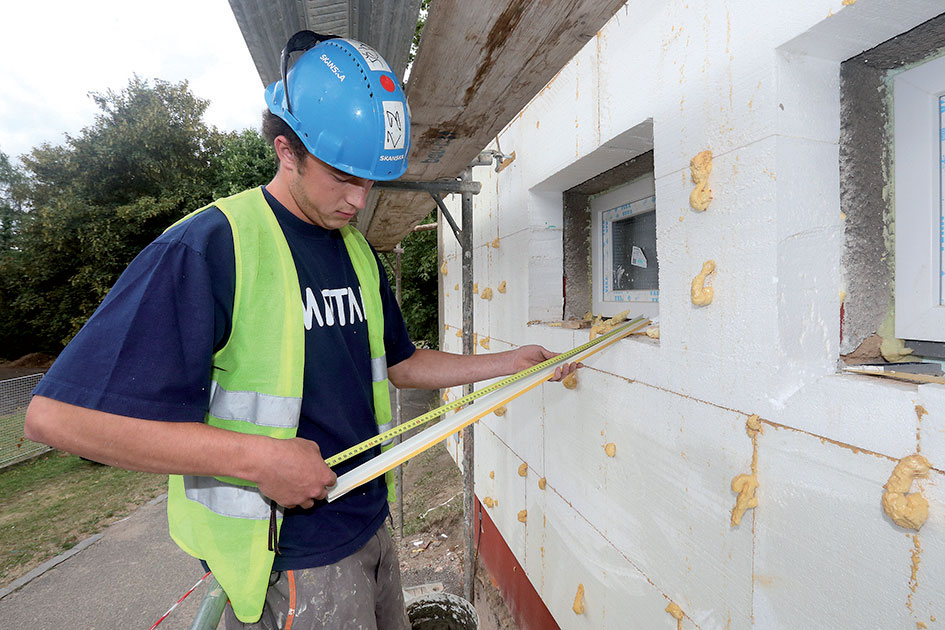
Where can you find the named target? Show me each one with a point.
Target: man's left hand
(527, 356)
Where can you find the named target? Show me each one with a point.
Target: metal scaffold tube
(469, 565)
(448, 216)
(398, 406)
(211, 608)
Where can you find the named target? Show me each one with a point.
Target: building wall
(757, 83)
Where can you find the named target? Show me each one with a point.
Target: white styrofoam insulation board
(757, 83)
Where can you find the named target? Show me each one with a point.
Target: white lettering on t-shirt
(311, 309)
(337, 294)
(330, 309)
(353, 305)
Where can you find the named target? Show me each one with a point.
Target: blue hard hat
(345, 104)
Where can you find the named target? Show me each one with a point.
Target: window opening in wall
(892, 187)
(625, 266)
(635, 226)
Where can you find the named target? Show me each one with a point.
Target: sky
(54, 52)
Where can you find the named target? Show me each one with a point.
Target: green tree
(418, 30)
(246, 160)
(11, 204)
(11, 219)
(97, 200)
(418, 285)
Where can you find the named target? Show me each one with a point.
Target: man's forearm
(291, 471)
(431, 369)
(136, 444)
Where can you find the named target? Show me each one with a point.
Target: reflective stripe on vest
(379, 375)
(379, 368)
(228, 499)
(387, 426)
(254, 407)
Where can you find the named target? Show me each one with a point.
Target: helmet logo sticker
(372, 58)
(394, 123)
(331, 66)
(387, 83)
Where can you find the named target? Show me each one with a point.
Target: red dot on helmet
(387, 83)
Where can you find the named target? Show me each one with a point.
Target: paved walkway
(125, 578)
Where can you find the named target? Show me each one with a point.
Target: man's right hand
(294, 473)
(291, 472)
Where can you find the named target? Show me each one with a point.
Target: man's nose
(358, 191)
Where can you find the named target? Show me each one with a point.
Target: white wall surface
(755, 81)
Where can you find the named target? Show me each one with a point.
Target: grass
(51, 503)
(13, 446)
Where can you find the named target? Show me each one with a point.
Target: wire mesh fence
(14, 398)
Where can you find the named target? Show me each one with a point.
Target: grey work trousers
(360, 592)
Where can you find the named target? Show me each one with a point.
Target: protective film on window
(630, 268)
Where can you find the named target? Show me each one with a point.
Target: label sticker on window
(371, 57)
(394, 125)
(637, 259)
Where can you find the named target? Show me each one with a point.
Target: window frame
(605, 208)
(917, 167)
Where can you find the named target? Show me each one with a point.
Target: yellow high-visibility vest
(256, 388)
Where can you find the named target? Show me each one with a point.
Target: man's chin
(339, 220)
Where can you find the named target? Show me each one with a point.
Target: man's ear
(285, 154)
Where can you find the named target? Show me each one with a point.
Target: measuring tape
(468, 398)
(492, 398)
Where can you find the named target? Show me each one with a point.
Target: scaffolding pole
(448, 217)
(466, 187)
(398, 406)
(469, 537)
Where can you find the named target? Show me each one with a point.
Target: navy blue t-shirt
(147, 353)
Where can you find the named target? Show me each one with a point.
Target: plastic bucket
(441, 611)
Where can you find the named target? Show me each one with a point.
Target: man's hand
(296, 474)
(527, 356)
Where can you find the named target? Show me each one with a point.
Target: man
(201, 364)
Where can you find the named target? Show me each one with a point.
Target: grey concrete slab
(127, 578)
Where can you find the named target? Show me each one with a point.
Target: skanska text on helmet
(331, 66)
